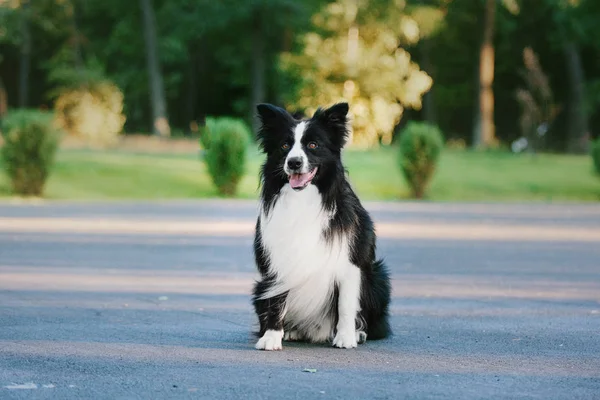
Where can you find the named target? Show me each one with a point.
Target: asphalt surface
(151, 300)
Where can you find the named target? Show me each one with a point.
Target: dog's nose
(294, 163)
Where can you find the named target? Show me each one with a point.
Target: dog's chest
(292, 234)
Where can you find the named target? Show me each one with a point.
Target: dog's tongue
(301, 180)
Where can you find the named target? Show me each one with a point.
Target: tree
(484, 130)
(267, 22)
(219, 58)
(430, 18)
(257, 65)
(538, 109)
(73, 10)
(25, 65)
(160, 123)
(577, 118)
(571, 29)
(354, 54)
(3, 100)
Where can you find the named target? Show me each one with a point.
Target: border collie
(314, 242)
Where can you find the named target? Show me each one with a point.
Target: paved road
(151, 300)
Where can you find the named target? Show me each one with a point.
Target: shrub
(596, 154)
(225, 142)
(92, 112)
(420, 147)
(30, 143)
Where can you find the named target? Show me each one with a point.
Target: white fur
(308, 266)
(297, 150)
(271, 340)
(349, 303)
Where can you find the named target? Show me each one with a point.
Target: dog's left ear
(336, 114)
(335, 119)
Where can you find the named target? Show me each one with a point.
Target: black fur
(329, 128)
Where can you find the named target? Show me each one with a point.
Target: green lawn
(466, 176)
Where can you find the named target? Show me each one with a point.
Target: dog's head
(302, 152)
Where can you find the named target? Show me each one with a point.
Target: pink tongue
(299, 180)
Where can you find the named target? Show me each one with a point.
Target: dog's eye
(313, 145)
(285, 146)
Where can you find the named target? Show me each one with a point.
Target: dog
(314, 243)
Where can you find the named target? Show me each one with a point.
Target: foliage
(206, 50)
(354, 56)
(225, 141)
(420, 147)
(596, 154)
(92, 111)
(30, 143)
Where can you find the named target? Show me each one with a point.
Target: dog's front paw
(345, 340)
(271, 340)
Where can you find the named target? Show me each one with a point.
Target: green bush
(92, 112)
(420, 148)
(225, 143)
(596, 154)
(30, 143)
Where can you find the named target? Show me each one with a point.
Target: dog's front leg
(348, 308)
(270, 312)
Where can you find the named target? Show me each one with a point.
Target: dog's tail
(375, 301)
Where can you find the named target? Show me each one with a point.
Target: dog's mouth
(300, 181)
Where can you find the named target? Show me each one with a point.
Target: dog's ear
(275, 121)
(336, 114)
(271, 115)
(335, 119)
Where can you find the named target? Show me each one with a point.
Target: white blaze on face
(296, 151)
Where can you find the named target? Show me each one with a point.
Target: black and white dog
(314, 242)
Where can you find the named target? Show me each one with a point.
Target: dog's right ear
(270, 114)
(274, 121)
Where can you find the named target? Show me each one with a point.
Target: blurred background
(450, 99)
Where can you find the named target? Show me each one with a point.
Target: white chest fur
(304, 263)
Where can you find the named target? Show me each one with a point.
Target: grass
(461, 176)
(510, 177)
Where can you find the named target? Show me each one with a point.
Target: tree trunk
(428, 100)
(192, 86)
(287, 40)
(25, 55)
(159, 108)
(3, 100)
(258, 67)
(577, 127)
(76, 35)
(192, 92)
(484, 130)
